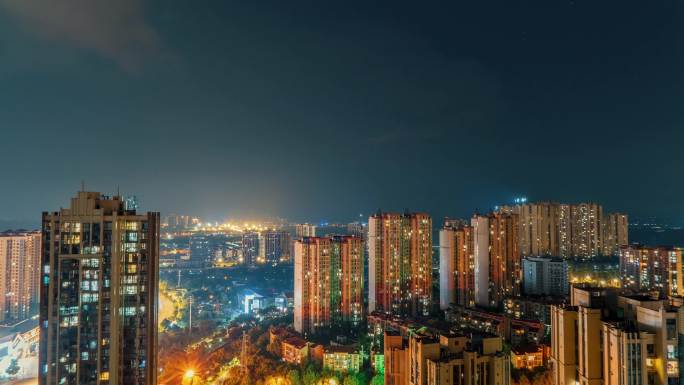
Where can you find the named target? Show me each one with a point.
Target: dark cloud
(324, 110)
(114, 29)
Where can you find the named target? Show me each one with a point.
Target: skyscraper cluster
(19, 275)
(329, 272)
(179, 222)
(400, 263)
(480, 262)
(270, 247)
(569, 230)
(99, 284)
(328, 283)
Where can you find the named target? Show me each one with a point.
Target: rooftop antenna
(82, 185)
(117, 191)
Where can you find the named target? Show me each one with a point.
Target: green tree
(362, 378)
(13, 367)
(311, 375)
(378, 379)
(294, 377)
(351, 379)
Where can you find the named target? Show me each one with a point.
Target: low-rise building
(529, 356)
(536, 308)
(515, 331)
(445, 359)
(251, 302)
(342, 358)
(295, 350)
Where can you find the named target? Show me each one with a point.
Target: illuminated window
(672, 368)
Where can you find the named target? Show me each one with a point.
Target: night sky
(322, 111)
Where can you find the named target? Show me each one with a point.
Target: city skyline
(217, 216)
(263, 109)
(341, 193)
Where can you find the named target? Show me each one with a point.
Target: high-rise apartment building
(576, 348)
(646, 348)
(358, 229)
(607, 339)
(644, 268)
(200, 251)
(545, 276)
(586, 229)
(98, 313)
(615, 233)
(328, 283)
(568, 230)
(250, 248)
(446, 359)
(180, 222)
(19, 275)
(305, 230)
(456, 266)
(497, 261)
(538, 230)
(400, 263)
(564, 231)
(276, 246)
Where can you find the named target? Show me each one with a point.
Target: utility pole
(190, 321)
(243, 350)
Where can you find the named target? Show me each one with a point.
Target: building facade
(586, 229)
(19, 275)
(497, 261)
(99, 294)
(445, 360)
(610, 339)
(538, 230)
(615, 233)
(328, 283)
(568, 230)
(545, 276)
(342, 359)
(456, 266)
(400, 263)
(250, 248)
(305, 230)
(576, 349)
(276, 247)
(644, 268)
(201, 255)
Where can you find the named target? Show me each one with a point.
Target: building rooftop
(297, 342)
(341, 349)
(21, 327)
(526, 348)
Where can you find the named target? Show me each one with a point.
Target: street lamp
(189, 378)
